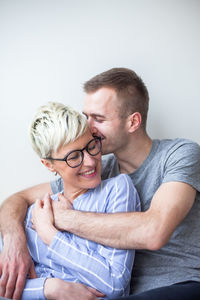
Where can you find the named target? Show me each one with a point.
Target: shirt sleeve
(104, 268)
(183, 164)
(34, 289)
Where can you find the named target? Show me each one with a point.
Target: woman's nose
(88, 159)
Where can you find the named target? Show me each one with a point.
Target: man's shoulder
(178, 141)
(181, 162)
(169, 156)
(178, 145)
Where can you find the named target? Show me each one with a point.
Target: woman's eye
(73, 156)
(92, 147)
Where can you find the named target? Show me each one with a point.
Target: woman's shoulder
(121, 180)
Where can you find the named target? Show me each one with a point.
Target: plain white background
(49, 48)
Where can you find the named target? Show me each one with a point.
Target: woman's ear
(134, 121)
(48, 164)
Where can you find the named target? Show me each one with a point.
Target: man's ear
(134, 121)
(48, 164)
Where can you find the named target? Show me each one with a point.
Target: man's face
(102, 111)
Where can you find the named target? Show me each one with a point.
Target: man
(167, 176)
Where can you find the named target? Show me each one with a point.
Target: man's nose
(92, 126)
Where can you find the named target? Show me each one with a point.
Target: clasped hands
(47, 216)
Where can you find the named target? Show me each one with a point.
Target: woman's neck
(70, 194)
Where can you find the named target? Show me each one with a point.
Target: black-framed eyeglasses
(75, 157)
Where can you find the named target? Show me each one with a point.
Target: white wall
(48, 48)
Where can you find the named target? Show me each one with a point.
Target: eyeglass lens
(75, 158)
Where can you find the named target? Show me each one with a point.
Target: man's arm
(151, 229)
(15, 261)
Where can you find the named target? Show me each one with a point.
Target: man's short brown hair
(129, 88)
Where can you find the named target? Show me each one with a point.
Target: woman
(62, 139)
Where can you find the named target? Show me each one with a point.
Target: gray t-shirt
(179, 259)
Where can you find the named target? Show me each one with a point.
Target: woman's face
(83, 177)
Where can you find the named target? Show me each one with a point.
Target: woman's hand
(55, 288)
(43, 219)
(61, 210)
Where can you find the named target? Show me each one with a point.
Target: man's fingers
(47, 201)
(32, 274)
(19, 286)
(3, 283)
(21, 279)
(12, 281)
(66, 203)
(15, 263)
(23, 269)
(7, 282)
(95, 292)
(38, 203)
(33, 226)
(47, 196)
(61, 198)
(10, 286)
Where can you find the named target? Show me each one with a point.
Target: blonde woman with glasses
(63, 141)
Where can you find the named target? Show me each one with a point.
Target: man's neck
(132, 157)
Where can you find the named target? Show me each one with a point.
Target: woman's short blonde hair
(55, 125)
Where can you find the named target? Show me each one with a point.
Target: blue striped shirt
(75, 259)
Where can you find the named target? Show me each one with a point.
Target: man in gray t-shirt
(167, 176)
(179, 260)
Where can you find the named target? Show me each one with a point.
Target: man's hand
(60, 208)
(55, 288)
(15, 264)
(15, 260)
(43, 219)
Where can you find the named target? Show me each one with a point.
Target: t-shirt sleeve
(57, 186)
(183, 164)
